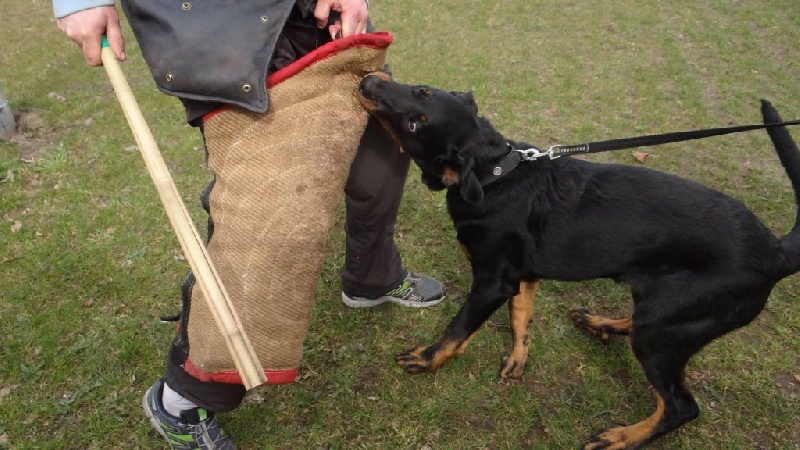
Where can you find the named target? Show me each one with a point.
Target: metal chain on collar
(553, 152)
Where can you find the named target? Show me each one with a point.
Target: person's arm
(354, 13)
(86, 21)
(63, 8)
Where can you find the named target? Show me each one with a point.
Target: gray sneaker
(195, 429)
(416, 291)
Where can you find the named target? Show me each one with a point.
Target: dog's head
(434, 127)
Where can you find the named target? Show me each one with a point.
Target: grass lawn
(88, 260)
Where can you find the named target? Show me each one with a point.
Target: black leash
(515, 155)
(643, 141)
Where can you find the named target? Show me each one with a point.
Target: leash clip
(533, 153)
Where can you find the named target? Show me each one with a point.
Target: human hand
(87, 27)
(354, 16)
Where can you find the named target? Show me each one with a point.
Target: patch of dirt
(33, 136)
(5, 391)
(254, 396)
(536, 433)
(368, 380)
(485, 422)
(475, 418)
(568, 375)
(789, 384)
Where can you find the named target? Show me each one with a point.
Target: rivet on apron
(169, 77)
(264, 19)
(186, 6)
(246, 87)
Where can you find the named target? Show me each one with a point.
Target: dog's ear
(467, 99)
(456, 168)
(471, 189)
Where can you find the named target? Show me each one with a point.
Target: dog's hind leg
(599, 326)
(665, 334)
(663, 352)
(674, 404)
(521, 313)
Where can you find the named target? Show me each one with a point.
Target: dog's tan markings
(371, 106)
(430, 358)
(627, 437)
(599, 326)
(463, 345)
(390, 132)
(450, 177)
(521, 311)
(381, 74)
(368, 104)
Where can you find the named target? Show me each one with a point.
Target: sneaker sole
(360, 302)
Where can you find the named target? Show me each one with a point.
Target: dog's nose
(367, 81)
(371, 80)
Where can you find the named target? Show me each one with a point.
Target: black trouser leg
(372, 198)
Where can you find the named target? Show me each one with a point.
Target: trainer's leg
(181, 407)
(217, 397)
(372, 197)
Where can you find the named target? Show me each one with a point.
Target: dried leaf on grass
(5, 391)
(640, 156)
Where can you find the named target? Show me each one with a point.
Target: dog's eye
(415, 122)
(424, 91)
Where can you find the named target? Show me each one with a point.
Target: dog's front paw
(620, 437)
(417, 360)
(511, 368)
(514, 363)
(430, 358)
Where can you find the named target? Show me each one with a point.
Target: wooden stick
(244, 357)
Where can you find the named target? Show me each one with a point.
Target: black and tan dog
(699, 264)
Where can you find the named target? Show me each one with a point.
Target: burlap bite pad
(279, 179)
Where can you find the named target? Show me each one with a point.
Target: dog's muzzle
(369, 86)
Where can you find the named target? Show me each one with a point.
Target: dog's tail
(789, 155)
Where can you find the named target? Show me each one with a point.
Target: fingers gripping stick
(244, 357)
